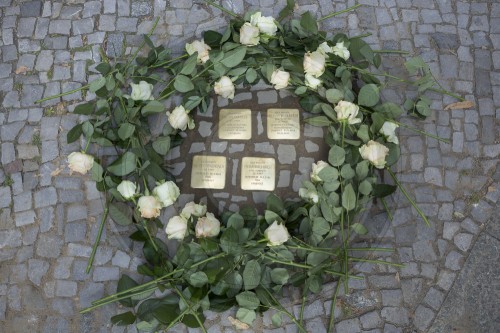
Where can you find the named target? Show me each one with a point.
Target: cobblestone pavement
(48, 218)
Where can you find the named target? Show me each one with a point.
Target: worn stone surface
(48, 218)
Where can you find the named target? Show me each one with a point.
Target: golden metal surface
(258, 173)
(208, 172)
(235, 124)
(283, 124)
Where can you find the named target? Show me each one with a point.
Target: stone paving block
(31, 8)
(37, 270)
(49, 246)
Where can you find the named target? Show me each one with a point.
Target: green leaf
(161, 145)
(383, 190)
(363, 133)
(362, 169)
(74, 133)
(229, 241)
(87, 129)
(309, 23)
(198, 279)
(280, 275)
(276, 319)
(234, 57)
(190, 64)
(301, 90)
(126, 130)
(183, 84)
(97, 84)
(347, 172)
(318, 121)
(165, 313)
(103, 68)
(124, 165)
(349, 198)
(97, 172)
(320, 226)
(359, 228)
(123, 319)
(192, 102)
(393, 110)
(365, 187)
(248, 300)
(236, 221)
(336, 156)
(334, 95)
(251, 275)
(328, 174)
(274, 203)
(271, 216)
(152, 107)
(414, 64)
(316, 258)
(246, 316)
(125, 283)
(120, 213)
(212, 38)
(369, 95)
(86, 108)
(251, 75)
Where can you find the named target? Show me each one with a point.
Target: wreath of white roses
(242, 258)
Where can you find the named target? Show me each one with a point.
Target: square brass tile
(258, 173)
(208, 172)
(283, 124)
(235, 124)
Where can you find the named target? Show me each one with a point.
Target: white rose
(141, 91)
(375, 153)
(280, 79)
(127, 189)
(316, 169)
(249, 35)
(265, 24)
(312, 82)
(176, 228)
(80, 162)
(340, 50)
(309, 195)
(314, 63)
(389, 130)
(224, 87)
(347, 111)
(149, 206)
(200, 47)
(179, 118)
(276, 234)
(324, 48)
(207, 226)
(193, 209)
(167, 193)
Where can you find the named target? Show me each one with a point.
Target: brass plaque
(235, 124)
(283, 124)
(208, 172)
(258, 173)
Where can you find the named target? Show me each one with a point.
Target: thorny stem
(386, 208)
(149, 235)
(285, 311)
(332, 308)
(194, 313)
(339, 12)
(372, 261)
(408, 197)
(222, 8)
(98, 239)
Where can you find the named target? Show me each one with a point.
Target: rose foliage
(242, 259)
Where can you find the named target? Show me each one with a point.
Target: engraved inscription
(283, 124)
(235, 124)
(208, 172)
(258, 173)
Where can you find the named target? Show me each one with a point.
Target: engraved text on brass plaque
(257, 173)
(235, 124)
(283, 124)
(208, 172)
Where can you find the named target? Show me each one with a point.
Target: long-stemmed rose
(347, 111)
(141, 92)
(167, 193)
(207, 226)
(127, 189)
(224, 87)
(80, 162)
(249, 35)
(375, 153)
(280, 79)
(179, 118)
(200, 47)
(316, 169)
(276, 234)
(149, 206)
(314, 63)
(176, 228)
(389, 131)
